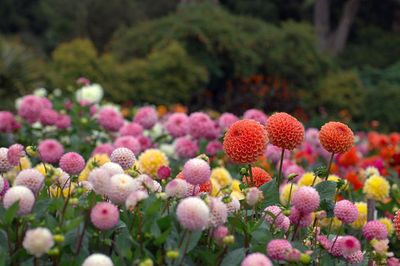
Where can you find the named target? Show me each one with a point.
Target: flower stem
(186, 248)
(329, 166)
(370, 209)
(280, 168)
(251, 175)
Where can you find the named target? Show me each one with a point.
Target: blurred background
(317, 59)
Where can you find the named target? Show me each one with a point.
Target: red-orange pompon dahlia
(285, 131)
(260, 177)
(245, 141)
(336, 137)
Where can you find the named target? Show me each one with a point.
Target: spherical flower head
(8, 123)
(105, 148)
(285, 131)
(176, 188)
(324, 242)
(121, 185)
(335, 249)
(50, 150)
(2, 184)
(349, 245)
(257, 115)
(151, 160)
(110, 119)
(128, 142)
(370, 171)
(218, 212)
(220, 232)
(30, 178)
(300, 219)
(104, 216)
(362, 215)
(90, 93)
(392, 261)
(193, 214)
(253, 196)
(20, 194)
(200, 124)
(273, 153)
(72, 163)
(260, 177)
(396, 222)
(226, 120)
(355, 258)
(186, 147)
(274, 215)
(48, 117)
(146, 116)
(5, 187)
(388, 223)
(376, 187)
(293, 255)
(145, 142)
(38, 241)
(131, 129)
(5, 165)
(100, 180)
(222, 176)
(213, 147)
(14, 154)
(196, 171)
(124, 157)
(245, 141)
(256, 259)
(97, 260)
(233, 206)
(134, 198)
(336, 137)
(285, 191)
(374, 229)
(112, 168)
(346, 211)
(164, 172)
(63, 122)
(306, 199)
(177, 125)
(30, 108)
(278, 248)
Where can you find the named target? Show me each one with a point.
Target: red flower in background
(353, 179)
(349, 158)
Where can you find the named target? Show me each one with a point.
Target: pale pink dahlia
(124, 157)
(38, 241)
(375, 229)
(278, 248)
(131, 129)
(72, 163)
(14, 154)
(134, 198)
(30, 178)
(50, 150)
(146, 116)
(226, 120)
(300, 219)
(257, 115)
(196, 171)
(253, 196)
(193, 214)
(112, 168)
(177, 125)
(233, 206)
(5, 165)
(100, 180)
(98, 260)
(176, 188)
(121, 186)
(104, 215)
(186, 147)
(200, 124)
(220, 232)
(218, 212)
(5, 187)
(110, 119)
(306, 199)
(274, 215)
(346, 211)
(23, 196)
(355, 258)
(256, 259)
(128, 142)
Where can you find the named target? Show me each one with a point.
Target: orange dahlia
(396, 222)
(260, 177)
(245, 141)
(285, 131)
(336, 137)
(205, 187)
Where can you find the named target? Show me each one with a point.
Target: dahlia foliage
(87, 183)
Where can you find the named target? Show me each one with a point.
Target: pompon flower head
(218, 212)
(362, 215)
(72, 163)
(98, 260)
(30, 178)
(213, 147)
(199, 125)
(124, 157)
(50, 150)
(274, 215)
(15, 153)
(346, 211)
(38, 241)
(48, 117)
(90, 93)
(260, 177)
(8, 123)
(134, 198)
(396, 222)
(253, 196)
(151, 160)
(105, 148)
(164, 172)
(300, 219)
(176, 188)
(5, 165)
(20, 194)
(306, 199)
(233, 205)
(376, 187)
(349, 245)
(285, 131)
(245, 141)
(100, 180)
(146, 116)
(222, 176)
(104, 215)
(285, 191)
(128, 142)
(110, 119)
(374, 229)
(256, 115)
(226, 120)
(112, 168)
(121, 186)
(131, 129)
(355, 258)
(336, 137)
(256, 259)
(63, 122)
(193, 214)
(278, 248)
(30, 108)
(177, 125)
(186, 147)
(196, 171)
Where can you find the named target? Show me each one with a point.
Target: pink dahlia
(193, 214)
(8, 123)
(145, 142)
(176, 188)
(346, 211)
(273, 153)
(375, 229)
(200, 124)
(278, 248)
(5, 165)
(110, 119)
(124, 157)
(104, 215)
(14, 154)
(220, 232)
(300, 219)
(257, 115)
(306, 199)
(128, 142)
(196, 171)
(5, 186)
(177, 125)
(213, 147)
(218, 212)
(30, 178)
(186, 147)
(355, 258)
(30, 108)
(48, 117)
(50, 150)
(348, 245)
(105, 148)
(256, 259)
(131, 129)
(72, 163)
(164, 172)
(63, 122)
(23, 196)
(146, 117)
(274, 215)
(226, 120)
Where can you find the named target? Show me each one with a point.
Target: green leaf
(234, 257)
(271, 193)
(11, 213)
(328, 206)
(326, 190)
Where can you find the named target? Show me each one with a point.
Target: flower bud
(54, 252)
(59, 238)
(146, 262)
(73, 201)
(172, 254)
(31, 151)
(305, 259)
(230, 239)
(243, 171)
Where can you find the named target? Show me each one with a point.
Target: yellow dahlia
(284, 196)
(336, 179)
(236, 191)
(215, 187)
(307, 179)
(377, 188)
(222, 176)
(388, 223)
(362, 215)
(45, 169)
(151, 160)
(56, 191)
(24, 163)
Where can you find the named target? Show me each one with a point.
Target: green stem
(337, 236)
(290, 194)
(186, 248)
(329, 166)
(280, 168)
(251, 175)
